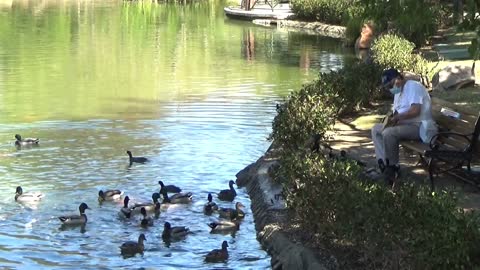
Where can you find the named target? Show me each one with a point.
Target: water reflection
(193, 92)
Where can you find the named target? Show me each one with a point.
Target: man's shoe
(391, 174)
(381, 165)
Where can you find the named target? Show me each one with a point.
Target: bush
(414, 19)
(408, 229)
(327, 11)
(391, 50)
(301, 116)
(314, 108)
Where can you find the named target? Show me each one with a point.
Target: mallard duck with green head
(218, 255)
(179, 198)
(174, 232)
(31, 196)
(210, 206)
(25, 141)
(76, 219)
(133, 159)
(228, 194)
(125, 211)
(224, 226)
(109, 195)
(151, 207)
(169, 188)
(230, 213)
(130, 248)
(146, 220)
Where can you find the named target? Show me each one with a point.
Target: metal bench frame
(451, 157)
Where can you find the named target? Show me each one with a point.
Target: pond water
(182, 85)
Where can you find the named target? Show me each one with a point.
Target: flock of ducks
(229, 221)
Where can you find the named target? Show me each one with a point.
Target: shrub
(391, 50)
(414, 19)
(327, 11)
(314, 108)
(407, 229)
(301, 116)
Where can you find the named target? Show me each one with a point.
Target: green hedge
(326, 11)
(314, 108)
(391, 50)
(406, 229)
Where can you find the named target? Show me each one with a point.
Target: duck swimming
(76, 219)
(31, 196)
(218, 255)
(146, 221)
(176, 232)
(169, 188)
(210, 206)
(26, 141)
(136, 159)
(179, 198)
(125, 212)
(224, 226)
(153, 206)
(230, 213)
(228, 194)
(130, 248)
(109, 195)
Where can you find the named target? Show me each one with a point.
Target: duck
(109, 195)
(210, 206)
(31, 196)
(218, 255)
(146, 221)
(224, 226)
(125, 212)
(231, 213)
(177, 198)
(169, 188)
(26, 141)
(153, 206)
(76, 219)
(175, 232)
(136, 159)
(228, 194)
(130, 248)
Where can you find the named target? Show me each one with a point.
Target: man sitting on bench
(411, 105)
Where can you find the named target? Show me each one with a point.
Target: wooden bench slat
(465, 124)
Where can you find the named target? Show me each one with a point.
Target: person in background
(411, 105)
(364, 41)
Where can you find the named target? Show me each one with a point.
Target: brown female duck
(218, 255)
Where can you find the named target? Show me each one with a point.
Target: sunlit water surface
(193, 91)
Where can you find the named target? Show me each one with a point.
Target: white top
(413, 93)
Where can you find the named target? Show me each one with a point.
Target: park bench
(454, 147)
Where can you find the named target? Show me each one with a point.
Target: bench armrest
(433, 142)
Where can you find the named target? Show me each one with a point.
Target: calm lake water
(183, 85)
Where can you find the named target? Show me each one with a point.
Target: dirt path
(355, 140)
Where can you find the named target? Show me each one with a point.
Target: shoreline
(272, 217)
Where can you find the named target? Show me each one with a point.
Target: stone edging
(268, 211)
(323, 29)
